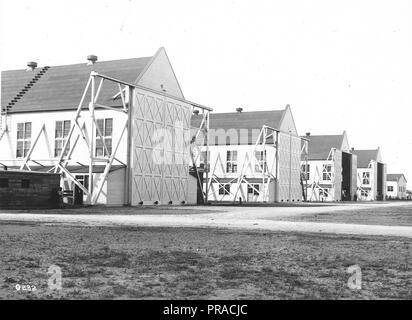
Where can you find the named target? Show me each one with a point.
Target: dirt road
(253, 218)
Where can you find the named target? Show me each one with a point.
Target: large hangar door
(289, 187)
(381, 181)
(160, 149)
(346, 176)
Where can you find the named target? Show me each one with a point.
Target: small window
(231, 161)
(327, 172)
(4, 183)
(61, 134)
(253, 189)
(390, 188)
(260, 164)
(366, 178)
(224, 189)
(364, 193)
(106, 129)
(324, 193)
(84, 180)
(25, 183)
(23, 139)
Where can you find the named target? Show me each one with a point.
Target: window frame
(231, 161)
(107, 137)
(251, 189)
(260, 161)
(24, 139)
(324, 193)
(62, 138)
(366, 176)
(224, 189)
(327, 172)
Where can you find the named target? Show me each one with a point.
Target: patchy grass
(386, 216)
(183, 263)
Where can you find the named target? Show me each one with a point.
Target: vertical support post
(207, 155)
(308, 171)
(277, 168)
(91, 147)
(128, 173)
(290, 165)
(265, 132)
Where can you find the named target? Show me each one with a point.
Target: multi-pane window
(106, 129)
(390, 188)
(305, 169)
(61, 133)
(260, 164)
(366, 178)
(253, 189)
(324, 193)
(326, 172)
(23, 139)
(364, 193)
(231, 161)
(224, 189)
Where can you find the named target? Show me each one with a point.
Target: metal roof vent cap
(239, 110)
(91, 59)
(31, 65)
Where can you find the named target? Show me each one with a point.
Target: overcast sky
(341, 65)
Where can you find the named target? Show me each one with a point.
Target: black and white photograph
(206, 155)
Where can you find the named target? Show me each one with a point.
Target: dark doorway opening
(346, 176)
(78, 193)
(379, 193)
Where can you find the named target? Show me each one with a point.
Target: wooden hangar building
(118, 132)
(252, 156)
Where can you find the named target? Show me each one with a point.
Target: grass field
(182, 263)
(386, 216)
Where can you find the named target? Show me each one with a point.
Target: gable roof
(365, 157)
(394, 176)
(246, 120)
(319, 146)
(242, 123)
(61, 87)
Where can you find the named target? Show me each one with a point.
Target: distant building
(371, 175)
(253, 156)
(330, 170)
(396, 186)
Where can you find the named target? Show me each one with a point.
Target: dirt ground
(189, 263)
(385, 216)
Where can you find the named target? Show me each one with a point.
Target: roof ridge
(82, 63)
(25, 89)
(235, 112)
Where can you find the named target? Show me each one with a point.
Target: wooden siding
(40, 193)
